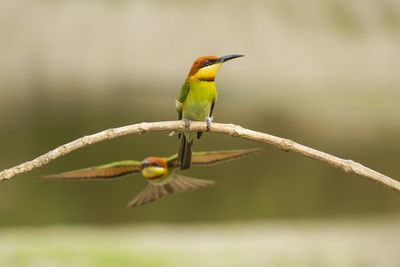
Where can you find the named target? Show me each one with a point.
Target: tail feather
(185, 153)
(177, 185)
(181, 148)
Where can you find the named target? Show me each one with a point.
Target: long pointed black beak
(228, 57)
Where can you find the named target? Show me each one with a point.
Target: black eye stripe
(207, 63)
(148, 164)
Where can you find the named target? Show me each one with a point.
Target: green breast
(197, 105)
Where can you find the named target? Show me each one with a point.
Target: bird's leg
(187, 124)
(208, 123)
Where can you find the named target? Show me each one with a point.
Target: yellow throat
(207, 73)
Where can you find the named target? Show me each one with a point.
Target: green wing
(173, 161)
(182, 97)
(111, 170)
(207, 158)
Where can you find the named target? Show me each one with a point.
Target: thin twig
(348, 166)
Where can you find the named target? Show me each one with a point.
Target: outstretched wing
(207, 158)
(182, 97)
(111, 170)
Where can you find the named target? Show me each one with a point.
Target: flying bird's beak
(228, 57)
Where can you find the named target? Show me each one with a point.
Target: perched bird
(158, 171)
(197, 99)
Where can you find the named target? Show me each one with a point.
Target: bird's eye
(145, 164)
(206, 63)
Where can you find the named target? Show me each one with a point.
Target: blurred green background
(323, 73)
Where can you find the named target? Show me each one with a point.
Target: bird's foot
(208, 123)
(187, 124)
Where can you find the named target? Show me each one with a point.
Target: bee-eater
(197, 100)
(158, 171)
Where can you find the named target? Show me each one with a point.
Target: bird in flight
(158, 171)
(197, 100)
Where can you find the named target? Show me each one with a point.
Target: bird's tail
(178, 184)
(185, 153)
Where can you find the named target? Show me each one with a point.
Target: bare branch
(348, 166)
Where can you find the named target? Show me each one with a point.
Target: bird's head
(206, 68)
(154, 167)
